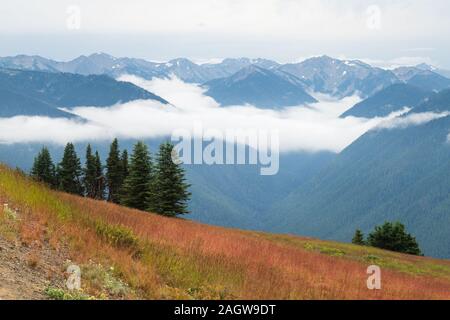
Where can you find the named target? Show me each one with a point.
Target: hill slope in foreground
(125, 253)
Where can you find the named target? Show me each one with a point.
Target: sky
(380, 31)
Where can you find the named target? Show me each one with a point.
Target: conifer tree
(125, 171)
(90, 174)
(358, 238)
(114, 174)
(124, 163)
(69, 172)
(171, 190)
(393, 236)
(99, 178)
(43, 168)
(137, 185)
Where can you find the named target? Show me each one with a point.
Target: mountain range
(260, 87)
(391, 99)
(339, 78)
(101, 63)
(41, 93)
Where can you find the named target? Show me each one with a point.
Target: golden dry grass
(170, 258)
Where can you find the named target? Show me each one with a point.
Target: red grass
(183, 259)
(268, 269)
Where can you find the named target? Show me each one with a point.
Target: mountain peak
(248, 71)
(180, 62)
(426, 67)
(320, 59)
(259, 87)
(101, 55)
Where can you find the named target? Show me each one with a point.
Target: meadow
(129, 254)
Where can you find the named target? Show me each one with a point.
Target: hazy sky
(395, 31)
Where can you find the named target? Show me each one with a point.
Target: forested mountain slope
(390, 174)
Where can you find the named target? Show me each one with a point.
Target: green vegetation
(159, 188)
(99, 185)
(137, 186)
(358, 238)
(61, 294)
(69, 172)
(114, 173)
(105, 280)
(90, 174)
(117, 235)
(93, 179)
(125, 170)
(170, 187)
(393, 236)
(43, 168)
(389, 236)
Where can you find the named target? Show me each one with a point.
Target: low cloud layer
(413, 119)
(304, 128)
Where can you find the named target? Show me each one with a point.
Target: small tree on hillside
(137, 185)
(170, 188)
(43, 168)
(99, 193)
(114, 174)
(69, 172)
(358, 238)
(393, 236)
(90, 174)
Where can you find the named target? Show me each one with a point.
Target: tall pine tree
(124, 164)
(171, 190)
(69, 172)
(137, 185)
(43, 168)
(114, 173)
(90, 174)
(124, 161)
(99, 178)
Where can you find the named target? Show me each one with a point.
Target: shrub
(10, 213)
(393, 236)
(117, 235)
(60, 294)
(102, 278)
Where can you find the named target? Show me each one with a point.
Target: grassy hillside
(125, 253)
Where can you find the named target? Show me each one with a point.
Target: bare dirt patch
(26, 271)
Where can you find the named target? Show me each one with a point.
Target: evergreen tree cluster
(43, 168)
(389, 236)
(137, 182)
